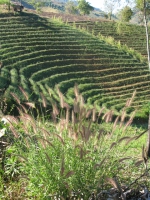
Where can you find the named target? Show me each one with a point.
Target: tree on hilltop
(144, 7)
(71, 8)
(126, 14)
(84, 7)
(110, 5)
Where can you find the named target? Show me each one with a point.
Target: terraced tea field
(132, 35)
(38, 54)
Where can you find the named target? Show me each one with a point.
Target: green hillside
(38, 54)
(132, 35)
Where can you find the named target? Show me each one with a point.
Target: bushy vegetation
(71, 152)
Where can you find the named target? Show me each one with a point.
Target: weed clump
(69, 155)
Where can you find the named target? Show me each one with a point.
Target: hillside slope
(128, 34)
(38, 53)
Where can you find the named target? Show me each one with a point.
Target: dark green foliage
(84, 7)
(3, 83)
(126, 14)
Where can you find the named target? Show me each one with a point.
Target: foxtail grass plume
(24, 93)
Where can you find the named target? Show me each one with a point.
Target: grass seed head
(24, 93)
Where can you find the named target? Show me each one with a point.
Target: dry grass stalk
(89, 112)
(76, 107)
(132, 98)
(28, 122)
(15, 97)
(94, 115)
(122, 159)
(101, 163)
(61, 96)
(76, 91)
(45, 142)
(75, 136)
(86, 133)
(144, 156)
(115, 124)
(9, 119)
(30, 104)
(113, 144)
(62, 125)
(48, 158)
(128, 103)
(54, 117)
(22, 158)
(70, 173)
(108, 117)
(14, 131)
(25, 129)
(101, 111)
(137, 137)
(129, 121)
(27, 143)
(82, 114)
(81, 99)
(100, 134)
(23, 108)
(66, 105)
(45, 133)
(114, 182)
(138, 163)
(19, 110)
(24, 93)
(55, 109)
(44, 102)
(124, 138)
(130, 140)
(67, 117)
(81, 153)
(123, 116)
(73, 118)
(59, 138)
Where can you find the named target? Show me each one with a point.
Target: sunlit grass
(67, 150)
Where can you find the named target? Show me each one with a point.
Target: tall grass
(69, 153)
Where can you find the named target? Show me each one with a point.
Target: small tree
(36, 4)
(144, 7)
(71, 8)
(84, 7)
(110, 5)
(126, 14)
